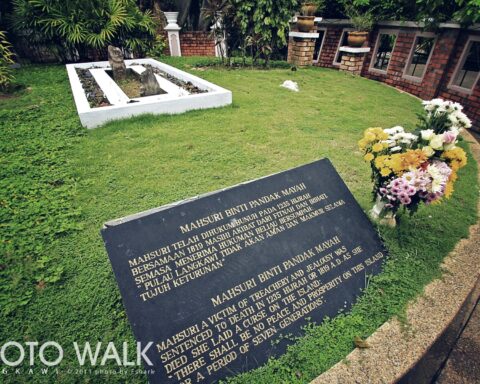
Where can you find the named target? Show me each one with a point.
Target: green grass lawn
(59, 183)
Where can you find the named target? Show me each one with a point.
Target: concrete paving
(463, 364)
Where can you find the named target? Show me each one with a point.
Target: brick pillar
(353, 59)
(301, 46)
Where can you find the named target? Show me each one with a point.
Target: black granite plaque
(214, 280)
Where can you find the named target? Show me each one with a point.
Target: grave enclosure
(174, 99)
(213, 281)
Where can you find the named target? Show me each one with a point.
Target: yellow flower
(370, 136)
(457, 158)
(368, 157)
(376, 130)
(449, 189)
(428, 151)
(414, 158)
(396, 163)
(362, 144)
(385, 171)
(380, 160)
(377, 147)
(383, 136)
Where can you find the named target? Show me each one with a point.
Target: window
(420, 56)
(343, 42)
(383, 51)
(468, 70)
(318, 45)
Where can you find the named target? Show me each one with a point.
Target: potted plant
(308, 8)
(170, 11)
(306, 21)
(362, 24)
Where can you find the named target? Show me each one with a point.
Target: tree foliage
(6, 59)
(79, 25)
(432, 11)
(263, 24)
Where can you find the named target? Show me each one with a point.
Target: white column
(173, 30)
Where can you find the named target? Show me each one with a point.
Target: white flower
(428, 151)
(399, 129)
(438, 179)
(463, 120)
(453, 119)
(427, 134)
(410, 136)
(397, 137)
(457, 106)
(434, 104)
(437, 142)
(396, 149)
(438, 102)
(448, 105)
(455, 130)
(394, 130)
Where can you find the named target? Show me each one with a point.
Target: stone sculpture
(115, 58)
(149, 82)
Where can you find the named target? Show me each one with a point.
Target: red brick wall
(197, 43)
(330, 44)
(446, 53)
(470, 102)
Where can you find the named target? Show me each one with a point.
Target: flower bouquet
(413, 168)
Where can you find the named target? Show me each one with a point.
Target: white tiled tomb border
(176, 100)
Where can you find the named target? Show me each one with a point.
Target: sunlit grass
(137, 164)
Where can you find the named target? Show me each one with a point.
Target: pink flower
(396, 183)
(431, 198)
(406, 200)
(449, 137)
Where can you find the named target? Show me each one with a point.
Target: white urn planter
(172, 18)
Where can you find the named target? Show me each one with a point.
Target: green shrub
(77, 26)
(6, 59)
(264, 24)
(158, 47)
